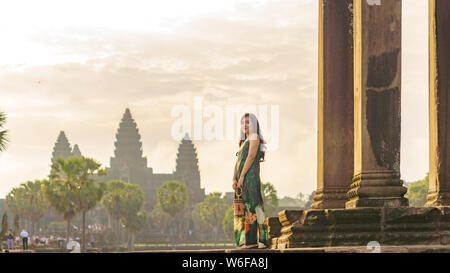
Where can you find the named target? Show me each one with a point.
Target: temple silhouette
(128, 164)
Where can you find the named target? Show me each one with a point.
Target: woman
(10, 237)
(250, 231)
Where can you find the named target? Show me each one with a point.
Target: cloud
(262, 53)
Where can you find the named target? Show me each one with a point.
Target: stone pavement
(356, 249)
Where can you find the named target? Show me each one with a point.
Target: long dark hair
(253, 120)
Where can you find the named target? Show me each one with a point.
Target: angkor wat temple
(129, 164)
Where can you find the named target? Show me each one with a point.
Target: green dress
(250, 229)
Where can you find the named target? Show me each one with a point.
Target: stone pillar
(439, 100)
(335, 128)
(377, 87)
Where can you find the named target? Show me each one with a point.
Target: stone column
(439, 99)
(335, 128)
(377, 86)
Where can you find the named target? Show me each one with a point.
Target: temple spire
(62, 148)
(128, 145)
(76, 151)
(187, 165)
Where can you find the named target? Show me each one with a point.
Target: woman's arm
(235, 171)
(234, 186)
(253, 150)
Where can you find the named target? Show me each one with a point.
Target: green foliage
(173, 197)
(105, 238)
(4, 225)
(112, 200)
(35, 205)
(124, 201)
(160, 218)
(291, 202)
(57, 226)
(72, 188)
(135, 223)
(228, 223)
(211, 211)
(3, 133)
(16, 224)
(310, 200)
(61, 198)
(270, 198)
(200, 229)
(417, 192)
(15, 199)
(28, 201)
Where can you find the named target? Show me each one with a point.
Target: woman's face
(245, 125)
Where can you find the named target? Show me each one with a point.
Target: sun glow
(26, 26)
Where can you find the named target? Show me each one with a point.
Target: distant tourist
(249, 228)
(24, 235)
(92, 241)
(10, 239)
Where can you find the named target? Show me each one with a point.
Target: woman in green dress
(250, 230)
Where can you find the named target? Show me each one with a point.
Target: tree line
(72, 189)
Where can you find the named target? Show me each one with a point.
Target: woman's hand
(235, 184)
(240, 183)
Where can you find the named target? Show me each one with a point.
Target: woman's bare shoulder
(254, 138)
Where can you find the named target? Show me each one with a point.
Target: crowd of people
(23, 240)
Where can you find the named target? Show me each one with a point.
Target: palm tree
(173, 198)
(269, 194)
(89, 192)
(35, 203)
(112, 200)
(61, 199)
(15, 200)
(3, 134)
(160, 218)
(124, 201)
(72, 189)
(228, 223)
(28, 201)
(134, 223)
(212, 211)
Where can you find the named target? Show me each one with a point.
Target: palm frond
(3, 134)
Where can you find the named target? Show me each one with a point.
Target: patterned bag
(238, 205)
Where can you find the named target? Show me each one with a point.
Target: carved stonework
(330, 198)
(358, 227)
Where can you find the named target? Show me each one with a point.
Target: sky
(77, 65)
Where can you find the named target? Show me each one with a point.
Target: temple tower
(76, 151)
(128, 164)
(187, 169)
(62, 148)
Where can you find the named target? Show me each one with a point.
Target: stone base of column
(441, 198)
(360, 226)
(377, 189)
(330, 198)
